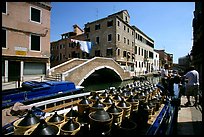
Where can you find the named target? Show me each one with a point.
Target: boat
(34, 91)
(165, 115)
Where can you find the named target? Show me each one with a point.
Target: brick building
(164, 58)
(64, 49)
(114, 37)
(111, 37)
(25, 39)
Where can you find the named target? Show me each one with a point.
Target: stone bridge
(77, 70)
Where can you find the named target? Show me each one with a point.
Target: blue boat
(33, 91)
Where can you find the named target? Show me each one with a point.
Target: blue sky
(169, 24)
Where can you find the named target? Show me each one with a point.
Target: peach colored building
(64, 49)
(26, 39)
(164, 58)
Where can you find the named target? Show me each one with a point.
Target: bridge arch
(79, 70)
(100, 68)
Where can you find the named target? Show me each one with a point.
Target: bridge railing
(65, 65)
(96, 62)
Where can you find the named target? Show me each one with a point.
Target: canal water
(95, 86)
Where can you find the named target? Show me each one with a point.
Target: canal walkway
(189, 120)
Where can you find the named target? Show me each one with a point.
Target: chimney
(77, 29)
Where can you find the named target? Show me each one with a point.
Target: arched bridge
(78, 70)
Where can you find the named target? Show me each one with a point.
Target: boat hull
(38, 91)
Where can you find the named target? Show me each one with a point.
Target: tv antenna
(96, 13)
(113, 8)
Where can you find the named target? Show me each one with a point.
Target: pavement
(189, 119)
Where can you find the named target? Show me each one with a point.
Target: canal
(101, 85)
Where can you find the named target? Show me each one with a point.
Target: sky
(169, 24)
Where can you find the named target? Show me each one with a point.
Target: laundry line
(84, 45)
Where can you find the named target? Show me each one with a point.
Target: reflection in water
(105, 85)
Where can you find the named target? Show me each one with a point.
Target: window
(139, 51)
(128, 41)
(97, 26)
(118, 37)
(140, 38)
(97, 40)
(124, 54)
(124, 27)
(128, 30)
(126, 18)
(35, 15)
(109, 52)
(109, 37)
(124, 40)
(110, 23)
(35, 42)
(118, 52)
(60, 57)
(119, 23)
(87, 29)
(97, 53)
(87, 36)
(3, 38)
(128, 55)
(145, 53)
(150, 54)
(135, 49)
(142, 51)
(2, 67)
(150, 44)
(4, 7)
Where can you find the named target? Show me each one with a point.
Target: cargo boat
(33, 91)
(161, 123)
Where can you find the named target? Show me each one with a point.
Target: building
(144, 52)
(156, 66)
(114, 37)
(65, 49)
(196, 52)
(165, 58)
(25, 40)
(184, 62)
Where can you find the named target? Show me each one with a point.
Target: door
(13, 70)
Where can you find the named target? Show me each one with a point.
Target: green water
(106, 85)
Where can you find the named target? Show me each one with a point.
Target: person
(165, 77)
(192, 85)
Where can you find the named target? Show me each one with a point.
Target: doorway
(13, 70)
